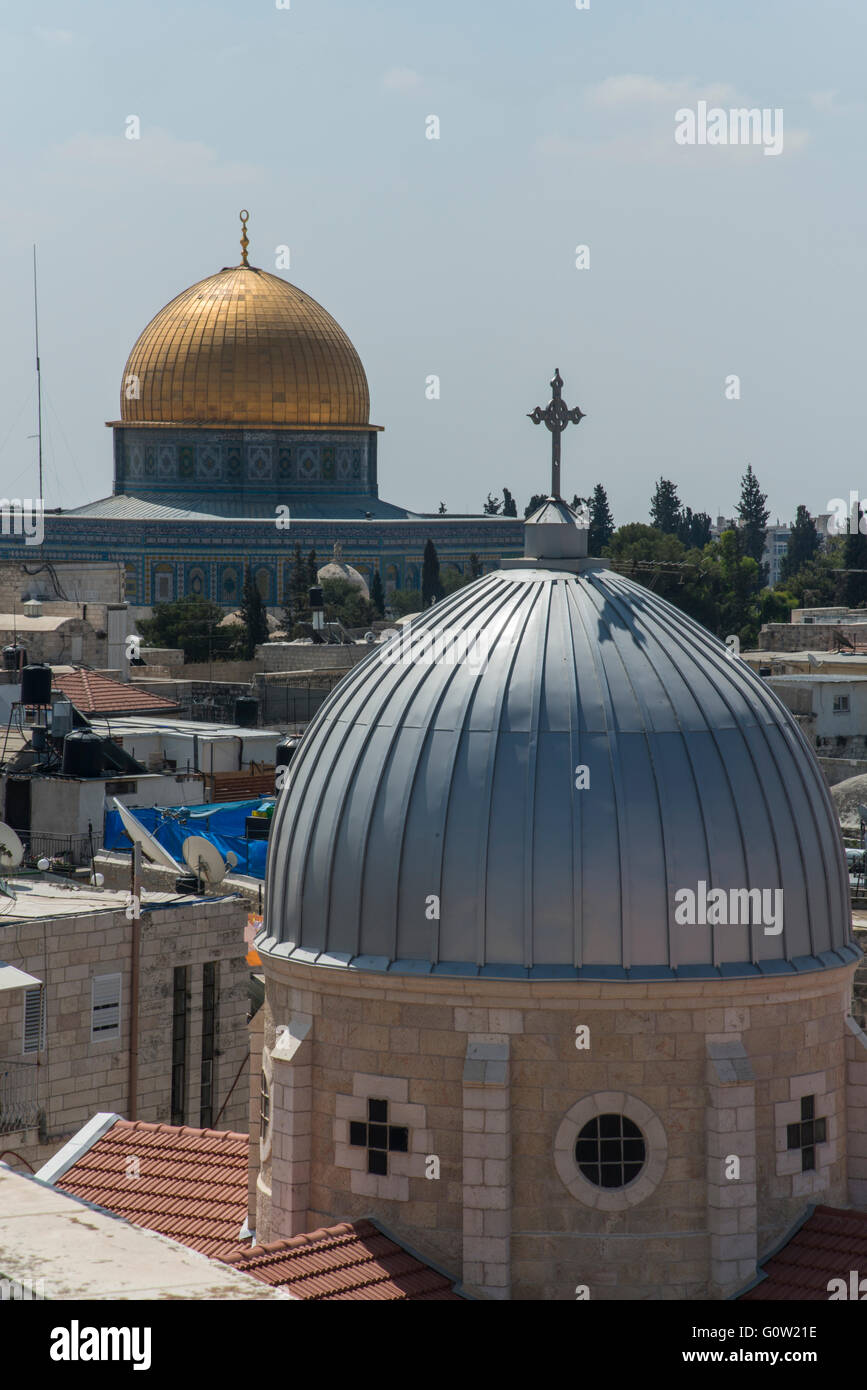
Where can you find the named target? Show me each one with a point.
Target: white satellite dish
(205, 859)
(11, 848)
(137, 833)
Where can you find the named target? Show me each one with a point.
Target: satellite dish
(137, 833)
(204, 859)
(11, 848)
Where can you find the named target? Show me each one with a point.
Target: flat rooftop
(65, 1248)
(131, 724)
(46, 896)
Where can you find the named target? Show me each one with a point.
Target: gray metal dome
(426, 779)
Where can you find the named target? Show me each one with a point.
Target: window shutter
(34, 1020)
(105, 1007)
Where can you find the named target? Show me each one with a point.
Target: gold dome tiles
(245, 348)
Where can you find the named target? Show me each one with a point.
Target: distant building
(244, 431)
(776, 545)
(165, 1041)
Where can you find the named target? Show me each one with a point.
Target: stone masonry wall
(648, 1048)
(74, 1076)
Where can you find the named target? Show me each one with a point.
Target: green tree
(510, 506)
(601, 522)
(452, 579)
(404, 601)
(534, 503)
(442, 509)
(253, 617)
(475, 566)
(377, 594)
(431, 586)
(803, 546)
(753, 515)
(312, 567)
(492, 506)
(296, 608)
(665, 510)
(820, 583)
(346, 604)
(191, 624)
(855, 561)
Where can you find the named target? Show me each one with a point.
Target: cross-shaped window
(806, 1134)
(378, 1137)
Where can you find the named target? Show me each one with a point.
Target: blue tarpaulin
(220, 822)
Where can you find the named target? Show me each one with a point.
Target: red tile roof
(95, 694)
(191, 1185)
(355, 1260)
(829, 1244)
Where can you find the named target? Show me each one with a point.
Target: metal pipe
(134, 979)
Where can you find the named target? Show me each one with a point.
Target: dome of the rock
(244, 347)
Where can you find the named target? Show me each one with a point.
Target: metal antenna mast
(38, 374)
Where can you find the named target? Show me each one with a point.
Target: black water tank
(36, 685)
(314, 597)
(246, 711)
(82, 754)
(38, 737)
(14, 658)
(285, 751)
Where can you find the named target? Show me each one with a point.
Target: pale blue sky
(456, 256)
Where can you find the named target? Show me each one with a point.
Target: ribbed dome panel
(422, 779)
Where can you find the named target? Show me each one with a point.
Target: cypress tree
(253, 616)
(431, 586)
(754, 517)
(665, 508)
(601, 521)
(377, 595)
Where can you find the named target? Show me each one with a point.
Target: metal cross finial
(245, 241)
(556, 416)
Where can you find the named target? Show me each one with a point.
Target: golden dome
(244, 348)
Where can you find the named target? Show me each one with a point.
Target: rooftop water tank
(36, 685)
(14, 657)
(246, 711)
(82, 754)
(285, 749)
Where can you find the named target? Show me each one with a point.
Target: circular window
(610, 1151)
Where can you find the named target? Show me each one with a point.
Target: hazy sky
(456, 256)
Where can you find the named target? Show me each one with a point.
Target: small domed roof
(337, 568)
(434, 819)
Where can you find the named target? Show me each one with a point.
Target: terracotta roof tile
(95, 694)
(191, 1185)
(830, 1243)
(350, 1261)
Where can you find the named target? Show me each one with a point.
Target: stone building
(500, 1015)
(166, 1041)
